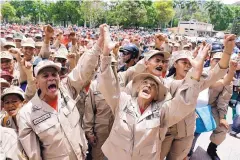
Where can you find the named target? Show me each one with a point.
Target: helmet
(131, 48)
(216, 47)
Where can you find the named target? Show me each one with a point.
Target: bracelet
(194, 78)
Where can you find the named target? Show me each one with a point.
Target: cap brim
(137, 80)
(28, 45)
(13, 92)
(55, 65)
(165, 54)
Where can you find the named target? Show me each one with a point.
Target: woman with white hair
(142, 118)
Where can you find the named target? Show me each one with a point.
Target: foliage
(126, 13)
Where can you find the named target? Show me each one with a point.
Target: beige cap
(6, 54)
(13, 90)
(28, 42)
(152, 53)
(45, 64)
(7, 43)
(9, 36)
(137, 80)
(186, 46)
(3, 81)
(217, 55)
(183, 54)
(38, 44)
(176, 44)
(62, 52)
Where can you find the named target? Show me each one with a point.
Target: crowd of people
(95, 94)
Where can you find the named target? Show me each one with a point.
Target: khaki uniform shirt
(98, 117)
(136, 136)
(49, 134)
(220, 97)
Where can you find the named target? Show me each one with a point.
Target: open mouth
(12, 110)
(52, 87)
(159, 68)
(146, 90)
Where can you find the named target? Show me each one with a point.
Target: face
(155, 65)
(48, 82)
(18, 43)
(165, 66)
(7, 65)
(214, 62)
(175, 48)
(125, 56)
(12, 103)
(60, 60)
(37, 50)
(182, 67)
(148, 89)
(238, 44)
(8, 47)
(28, 52)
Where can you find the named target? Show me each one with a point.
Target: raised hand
(16, 53)
(233, 65)
(198, 62)
(27, 68)
(49, 31)
(108, 43)
(229, 43)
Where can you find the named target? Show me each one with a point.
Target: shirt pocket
(44, 122)
(123, 127)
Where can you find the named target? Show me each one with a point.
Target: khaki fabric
(136, 136)
(49, 134)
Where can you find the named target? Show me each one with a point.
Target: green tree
(220, 15)
(164, 11)
(8, 11)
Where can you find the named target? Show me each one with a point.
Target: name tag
(41, 119)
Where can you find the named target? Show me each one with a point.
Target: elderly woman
(142, 118)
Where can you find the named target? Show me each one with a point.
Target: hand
(233, 65)
(198, 62)
(60, 35)
(224, 123)
(71, 56)
(108, 44)
(92, 140)
(27, 67)
(101, 38)
(49, 31)
(115, 49)
(229, 43)
(15, 53)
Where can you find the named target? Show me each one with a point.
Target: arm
(223, 100)
(45, 49)
(126, 76)
(182, 104)
(89, 114)
(28, 138)
(108, 84)
(82, 74)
